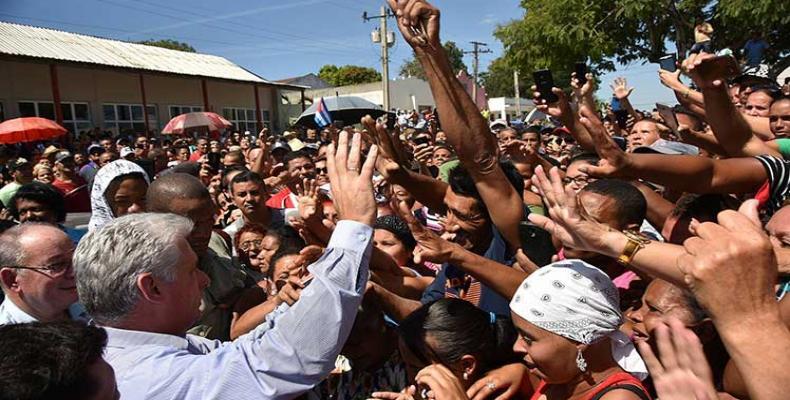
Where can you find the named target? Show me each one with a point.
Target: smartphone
(615, 104)
(215, 161)
(669, 62)
(536, 243)
(622, 118)
(581, 72)
(666, 113)
(545, 82)
(391, 121)
(724, 66)
(421, 140)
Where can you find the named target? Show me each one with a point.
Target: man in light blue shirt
(138, 277)
(36, 275)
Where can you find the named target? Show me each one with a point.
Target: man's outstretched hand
(418, 21)
(352, 187)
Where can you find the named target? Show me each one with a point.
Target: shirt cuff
(351, 235)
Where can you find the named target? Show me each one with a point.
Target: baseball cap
(126, 151)
(662, 146)
(755, 73)
(63, 155)
(498, 124)
(17, 163)
(280, 146)
(95, 148)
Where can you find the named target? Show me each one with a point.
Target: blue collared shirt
(293, 350)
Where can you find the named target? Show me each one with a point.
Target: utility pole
(386, 39)
(476, 64)
(517, 92)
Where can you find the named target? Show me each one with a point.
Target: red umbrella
(195, 121)
(29, 129)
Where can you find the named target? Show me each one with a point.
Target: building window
(243, 119)
(178, 110)
(76, 116)
(128, 118)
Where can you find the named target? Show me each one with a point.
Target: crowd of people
(605, 254)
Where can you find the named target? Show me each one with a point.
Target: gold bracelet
(635, 243)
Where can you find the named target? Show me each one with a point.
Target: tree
(412, 67)
(555, 34)
(169, 44)
(498, 80)
(348, 75)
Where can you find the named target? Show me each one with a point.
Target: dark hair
(590, 158)
(290, 243)
(227, 171)
(462, 184)
(247, 176)
(770, 89)
(397, 226)
(459, 328)
(630, 203)
(704, 207)
(49, 360)
(248, 227)
(295, 155)
(43, 194)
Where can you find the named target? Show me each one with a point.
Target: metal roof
(30, 41)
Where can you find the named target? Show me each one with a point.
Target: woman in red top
(567, 315)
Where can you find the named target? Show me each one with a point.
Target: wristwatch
(635, 243)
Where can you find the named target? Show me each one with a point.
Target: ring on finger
(491, 385)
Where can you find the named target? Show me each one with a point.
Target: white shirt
(293, 350)
(10, 313)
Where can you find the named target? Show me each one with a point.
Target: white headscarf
(101, 212)
(579, 302)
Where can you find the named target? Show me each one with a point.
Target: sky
(278, 39)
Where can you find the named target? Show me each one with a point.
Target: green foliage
(413, 68)
(348, 75)
(169, 44)
(499, 80)
(555, 34)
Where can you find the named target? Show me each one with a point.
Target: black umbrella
(349, 109)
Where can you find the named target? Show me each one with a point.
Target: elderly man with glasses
(37, 276)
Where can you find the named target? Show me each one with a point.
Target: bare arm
(466, 129)
(658, 208)
(687, 173)
(730, 128)
(395, 306)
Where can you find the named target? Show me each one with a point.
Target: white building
(509, 108)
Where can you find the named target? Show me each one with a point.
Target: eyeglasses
(578, 180)
(251, 244)
(54, 270)
(322, 170)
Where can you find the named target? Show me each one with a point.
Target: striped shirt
(778, 182)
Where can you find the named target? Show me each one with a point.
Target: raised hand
(568, 221)
(519, 151)
(307, 200)
(352, 187)
(670, 79)
(405, 394)
(391, 154)
(614, 161)
(581, 91)
(731, 266)
(681, 371)
(620, 88)
(430, 247)
(418, 22)
(560, 109)
(704, 72)
(423, 154)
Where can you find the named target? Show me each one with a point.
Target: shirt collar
(14, 313)
(129, 338)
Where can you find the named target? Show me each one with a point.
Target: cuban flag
(322, 116)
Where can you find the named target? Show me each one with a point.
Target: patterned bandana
(579, 302)
(101, 213)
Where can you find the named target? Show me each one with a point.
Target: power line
(476, 54)
(319, 48)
